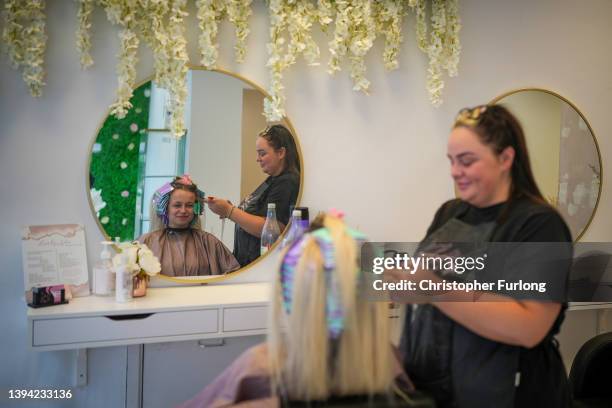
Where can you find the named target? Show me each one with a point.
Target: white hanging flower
(209, 15)
(325, 13)
(273, 106)
(295, 18)
(26, 40)
(388, 17)
(238, 13)
(435, 84)
(83, 32)
(353, 37)
(451, 40)
(178, 67)
(421, 23)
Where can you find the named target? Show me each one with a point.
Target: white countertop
(160, 300)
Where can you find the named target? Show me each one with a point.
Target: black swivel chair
(591, 373)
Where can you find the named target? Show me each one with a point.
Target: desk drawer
(245, 318)
(102, 328)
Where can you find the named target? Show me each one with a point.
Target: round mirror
(564, 153)
(131, 158)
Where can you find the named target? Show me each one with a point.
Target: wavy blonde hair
(305, 363)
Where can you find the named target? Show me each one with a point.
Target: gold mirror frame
(555, 94)
(211, 278)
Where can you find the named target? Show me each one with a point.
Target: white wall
(380, 158)
(215, 147)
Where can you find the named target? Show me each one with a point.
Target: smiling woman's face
(482, 178)
(180, 208)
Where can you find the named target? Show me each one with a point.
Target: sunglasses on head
(470, 116)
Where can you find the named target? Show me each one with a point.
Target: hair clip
(265, 131)
(185, 179)
(470, 116)
(333, 303)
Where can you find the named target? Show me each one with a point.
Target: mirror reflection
(564, 153)
(210, 221)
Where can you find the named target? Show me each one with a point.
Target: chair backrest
(586, 275)
(591, 373)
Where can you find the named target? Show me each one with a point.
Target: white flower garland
(160, 23)
(421, 23)
(83, 32)
(435, 84)
(177, 66)
(210, 14)
(388, 16)
(273, 106)
(325, 13)
(24, 34)
(444, 47)
(238, 13)
(297, 18)
(123, 12)
(153, 29)
(354, 35)
(451, 39)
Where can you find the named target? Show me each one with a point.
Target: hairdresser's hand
(219, 206)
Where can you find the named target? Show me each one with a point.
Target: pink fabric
(246, 383)
(236, 383)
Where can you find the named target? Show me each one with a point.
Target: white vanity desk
(163, 315)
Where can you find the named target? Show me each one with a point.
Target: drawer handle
(138, 316)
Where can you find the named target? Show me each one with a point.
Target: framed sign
(55, 255)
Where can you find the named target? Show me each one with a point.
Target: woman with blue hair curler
(325, 343)
(176, 236)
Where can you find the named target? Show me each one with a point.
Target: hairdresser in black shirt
(278, 158)
(498, 351)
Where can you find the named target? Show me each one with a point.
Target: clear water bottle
(295, 229)
(305, 220)
(270, 231)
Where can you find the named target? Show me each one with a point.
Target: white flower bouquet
(140, 260)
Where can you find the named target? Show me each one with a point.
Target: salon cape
(189, 252)
(462, 369)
